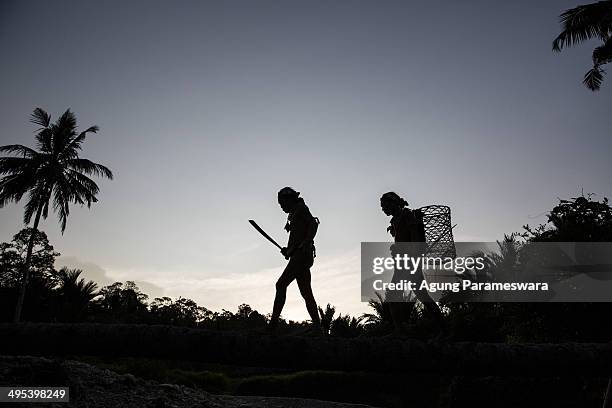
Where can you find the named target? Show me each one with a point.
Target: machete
(262, 232)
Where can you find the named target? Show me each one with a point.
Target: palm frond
(371, 318)
(12, 165)
(88, 289)
(44, 140)
(583, 23)
(45, 210)
(20, 150)
(603, 53)
(71, 285)
(69, 276)
(14, 186)
(381, 311)
(71, 150)
(88, 185)
(40, 117)
(64, 130)
(83, 188)
(61, 201)
(593, 78)
(67, 121)
(35, 201)
(88, 167)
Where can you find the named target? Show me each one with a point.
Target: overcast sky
(206, 109)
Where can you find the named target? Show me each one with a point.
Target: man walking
(408, 232)
(300, 251)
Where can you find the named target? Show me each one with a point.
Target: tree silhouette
(381, 315)
(121, 303)
(13, 256)
(54, 171)
(579, 219)
(182, 312)
(244, 311)
(74, 293)
(327, 317)
(586, 22)
(346, 326)
(43, 276)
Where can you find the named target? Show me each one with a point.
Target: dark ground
(130, 361)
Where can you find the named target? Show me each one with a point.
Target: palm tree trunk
(26, 268)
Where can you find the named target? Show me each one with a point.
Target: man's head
(391, 203)
(288, 198)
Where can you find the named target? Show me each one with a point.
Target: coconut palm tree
(582, 23)
(75, 294)
(53, 172)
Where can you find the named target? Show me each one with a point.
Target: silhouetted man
(407, 226)
(300, 252)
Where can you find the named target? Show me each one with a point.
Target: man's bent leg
(281, 293)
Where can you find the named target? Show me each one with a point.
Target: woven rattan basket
(438, 231)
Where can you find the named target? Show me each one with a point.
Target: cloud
(335, 280)
(96, 273)
(91, 271)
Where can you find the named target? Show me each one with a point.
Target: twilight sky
(207, 108)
